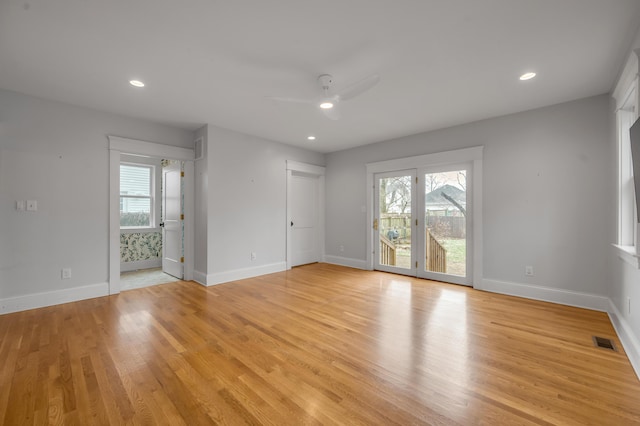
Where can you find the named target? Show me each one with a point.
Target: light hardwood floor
(319, 344)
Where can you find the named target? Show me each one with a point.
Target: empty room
(337, 212)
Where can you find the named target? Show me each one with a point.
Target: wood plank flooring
(319, 344)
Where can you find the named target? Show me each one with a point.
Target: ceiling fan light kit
(327, 102)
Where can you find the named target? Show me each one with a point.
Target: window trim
(626, 113)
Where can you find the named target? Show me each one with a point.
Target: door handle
(291, 223)
(161, 224)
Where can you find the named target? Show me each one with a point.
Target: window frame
(153, 210)
(627, 101)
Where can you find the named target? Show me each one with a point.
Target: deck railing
(387, 251)
(436, 255)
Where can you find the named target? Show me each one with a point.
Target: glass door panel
(445, 226)
(394, 222)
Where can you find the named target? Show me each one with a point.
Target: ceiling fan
(327, 101)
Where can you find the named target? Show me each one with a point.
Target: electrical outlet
(341, 248)
(528, 271)
(253, 255)
(20, 205)
(32, 205)
(66, 273)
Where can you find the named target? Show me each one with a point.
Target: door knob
(291, 223)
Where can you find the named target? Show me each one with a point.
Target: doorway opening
(172, 210)
(151, 225)
(425, 216)
(421, 222)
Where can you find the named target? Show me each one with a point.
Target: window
(626, 96)
(136, 196)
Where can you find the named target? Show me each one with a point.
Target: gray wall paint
(247, 199)
(546, 172)
(57, 154)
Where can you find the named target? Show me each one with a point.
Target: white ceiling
(441, 62)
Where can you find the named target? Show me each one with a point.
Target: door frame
(311, 170)
(119, 145)
(471, 155)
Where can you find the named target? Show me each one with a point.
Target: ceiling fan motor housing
(325, 81)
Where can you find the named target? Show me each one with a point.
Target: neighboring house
(437, 203)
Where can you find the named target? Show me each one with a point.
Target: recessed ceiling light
(311, 138)
(136, 83)
(527, 76)
(326, 105)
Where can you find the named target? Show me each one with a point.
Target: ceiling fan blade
(332, 113)
(359, 87)
(289, 100)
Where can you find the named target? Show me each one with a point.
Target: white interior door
(303, 219)
(172, 221)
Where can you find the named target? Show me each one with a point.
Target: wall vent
(603, 342)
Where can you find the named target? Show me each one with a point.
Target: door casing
(472, 155)
(118, 146)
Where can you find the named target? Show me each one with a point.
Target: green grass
(456, 255)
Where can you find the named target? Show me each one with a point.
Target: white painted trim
(140, 264)
(311, 169)
(628, 75)
(50, 298)
(627, 337)
(346, 261)
(427, 160)
(114, 222)
(244, 273)
(118, 146)
(151, 149)
(628, 254)
(547, 294)
(200, 277)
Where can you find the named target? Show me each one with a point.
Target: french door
(422, 222)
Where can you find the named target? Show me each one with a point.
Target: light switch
(32, 205)
(20, 205)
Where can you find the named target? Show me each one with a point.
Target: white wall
(247, 203)
(546, 176)
(57, 154)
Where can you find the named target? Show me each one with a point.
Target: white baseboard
(50, 298)
(140, 264)
(200, 277)
(627, 337)
(241, 274)
(346, 261)
(564, 297)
